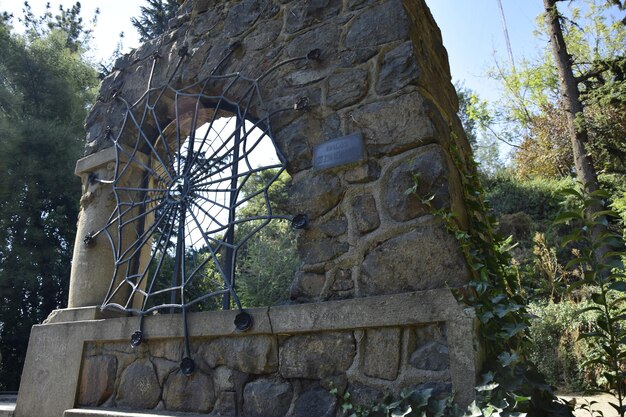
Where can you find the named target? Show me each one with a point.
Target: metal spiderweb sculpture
(180, 186)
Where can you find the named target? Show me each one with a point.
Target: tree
(45, 88)
(154, 18)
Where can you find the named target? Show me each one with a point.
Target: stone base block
(294, 352)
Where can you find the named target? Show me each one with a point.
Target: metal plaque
(345, 150)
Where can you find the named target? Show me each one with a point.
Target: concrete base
(101, 412)
(66, 315)
(51, 375)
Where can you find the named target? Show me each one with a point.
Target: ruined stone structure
(372, 311)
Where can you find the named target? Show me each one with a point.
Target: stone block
(314, 247)
(248, 354)
(346, 88)
(433, 356)
(263, 35)
(315, 194)
(334, 226)
(397, 69)
(226, 405)
(139, 387)
(364, 213)
(267, 397)
(194, 393)
(394, 125)
(304, 13)
(427, 257)
(316, 356)
(325, 38)
(384, 23)
(241, 15)
(97, 379)
(426, 174)
(381, 355)
(316, 402)
(307, 286)
(363, 173)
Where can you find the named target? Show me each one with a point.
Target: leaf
(507, 358)
(567, 216)
(609, 213)
(618, 286)
(586, 309)
(577, 261)
(571, 191)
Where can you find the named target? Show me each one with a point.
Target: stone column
(93, 263)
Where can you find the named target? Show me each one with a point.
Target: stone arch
(381, 72)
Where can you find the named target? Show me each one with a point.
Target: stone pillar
(93, 264)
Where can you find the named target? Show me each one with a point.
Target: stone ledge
(103, 412)
(66, 315)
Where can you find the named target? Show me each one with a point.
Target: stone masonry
(371, 307)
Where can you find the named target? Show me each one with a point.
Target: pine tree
(45, 88)
(154, 18)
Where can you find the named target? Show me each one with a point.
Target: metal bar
(230, 234)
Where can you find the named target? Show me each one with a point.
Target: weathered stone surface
(249, 354)
(226, 379)
(139, 387)
(392, 126)
(363, 173)
(164, 368)
(316, 403)
(343, 285)
(267, 397)
(382, 353)
(307, 286)
(365, 214)
(263, 35)
(316, 356)
(398, 69)
(314, 247)
(334, 226)
(241, 15)
(426, 174)
(425, 258)
(293, 142)
(432, 357)
(346, 88)
(226, 405)
(303, 13)
(97, 379)
(362, 395)
(366, 28)
(192, 393)
(315, 194)
(325, 38)
(356, 4)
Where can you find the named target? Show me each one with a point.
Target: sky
(471, 29)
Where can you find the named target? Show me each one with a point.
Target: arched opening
(207, 219)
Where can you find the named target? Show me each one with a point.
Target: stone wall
(372, 308)
(289, 363)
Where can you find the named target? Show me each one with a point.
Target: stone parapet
(295, 353)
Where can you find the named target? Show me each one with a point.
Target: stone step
(110, 412)
(7, 404)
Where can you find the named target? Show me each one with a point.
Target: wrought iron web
(188, 162)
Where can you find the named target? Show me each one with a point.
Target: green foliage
(555, 348)
(154, 18)
(514, 385)
(45, 89)
(268, 261)
(606, 276)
